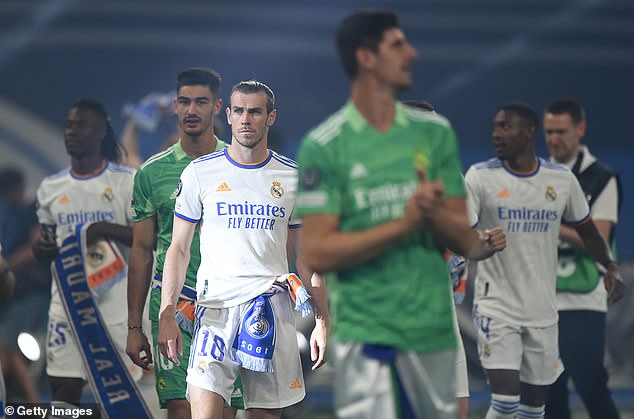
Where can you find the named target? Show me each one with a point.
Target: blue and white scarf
(255, 341)
(109, 378)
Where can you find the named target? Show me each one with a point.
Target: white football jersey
(245, 212)
(66, 200)
(517, 285)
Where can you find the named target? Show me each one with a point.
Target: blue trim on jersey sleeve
(474, 226)
(493, 163)
(248, 166)
(284, 160)
(65, 171)
(121, 169)
(294, 226)
(553, 165)
(583, 220)
(212, 155)
(189, 220)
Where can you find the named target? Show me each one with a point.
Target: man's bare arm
(597, 247)
(570, 235)
(105, 230)
(316, 286)
(450, 226)
(139, 277)
(174, 272)
(325, 248)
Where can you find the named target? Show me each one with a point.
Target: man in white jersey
(243, 198)
(93, 191)
(514, 305)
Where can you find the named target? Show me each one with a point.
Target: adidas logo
(64, 199)
(358, 171)
(504, 193)
(296, 384)
(223, 188)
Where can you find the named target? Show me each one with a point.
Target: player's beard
(250, 143)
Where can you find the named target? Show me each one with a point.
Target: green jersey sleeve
(449, 167)
(142, 205)
(318, 189)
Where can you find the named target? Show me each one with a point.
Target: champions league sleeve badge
(276, 190)
(310, 178)
(178, 190)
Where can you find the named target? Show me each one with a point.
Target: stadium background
(474, 56)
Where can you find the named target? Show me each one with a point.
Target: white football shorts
(533, 351)
(63, 358)
(212, 368)
(364, 386)
(462, 374)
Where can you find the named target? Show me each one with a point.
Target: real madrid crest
(276, 190)
(257, 326)
(107, 195)
(202, 367)
(551, 195)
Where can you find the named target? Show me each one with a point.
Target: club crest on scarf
(254, 345)
(255, 341)
(257, 325)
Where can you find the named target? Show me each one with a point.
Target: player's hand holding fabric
(495, 239)
(45, 250)
(170, 338)
(318, 339)
(614, 283)
(138, 348)
(97, 231)
(94, 232)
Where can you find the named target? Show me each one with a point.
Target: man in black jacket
(581, 295)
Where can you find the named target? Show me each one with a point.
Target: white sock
(503, 406)
(530, 412)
